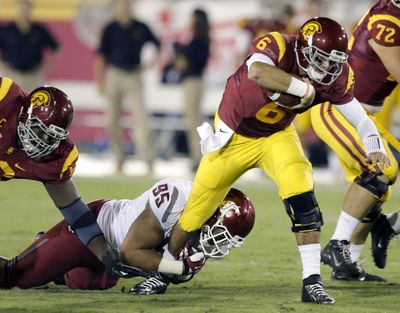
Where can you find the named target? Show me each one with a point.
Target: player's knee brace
(371, 182)
(304, 212)
(81, 220)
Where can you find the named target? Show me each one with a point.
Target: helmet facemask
(39, 140)
(323, 68)
(396, 3)
(216, 240)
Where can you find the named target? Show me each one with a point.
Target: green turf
(262, 276)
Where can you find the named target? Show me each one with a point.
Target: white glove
(210, 141)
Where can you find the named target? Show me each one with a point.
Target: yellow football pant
(344, 140)
(279, 155)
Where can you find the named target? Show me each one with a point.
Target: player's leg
(386, 227)
(383, 231)
(114, 113)
(368, 188)
(49, 257)
(216, 174)
(141, 120)
(90, 273)
(192, 94)
(284, 161)
(90, 278)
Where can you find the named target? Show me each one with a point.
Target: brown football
(283, 98)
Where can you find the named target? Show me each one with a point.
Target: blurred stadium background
(77, 25)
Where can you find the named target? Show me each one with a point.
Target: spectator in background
(191, 60)
(119, 51)
(22, 47)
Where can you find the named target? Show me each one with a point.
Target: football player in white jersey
(137, 229)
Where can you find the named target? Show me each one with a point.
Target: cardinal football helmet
(44, 121)
(321, 49)
(228, 227)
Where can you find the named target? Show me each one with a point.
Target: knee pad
(371, 182)
(304, 212)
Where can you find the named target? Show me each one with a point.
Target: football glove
(193, 263)
(118, 269)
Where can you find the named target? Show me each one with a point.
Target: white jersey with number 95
(166, 198)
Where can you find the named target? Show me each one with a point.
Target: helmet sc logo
(310, 29)
(40, 98)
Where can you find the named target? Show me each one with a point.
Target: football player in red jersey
(253, 131)
(34, 145)
(374, 56)
(59, 255)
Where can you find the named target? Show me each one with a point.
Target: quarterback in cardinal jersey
(34, 145)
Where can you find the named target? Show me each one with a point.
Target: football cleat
(150, 286)
(314, 292)
(362, 276)
(381, 234)
(336, 254)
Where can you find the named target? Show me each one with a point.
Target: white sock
(345, 226)
(355, 251)
(394, 221)
(310, 258)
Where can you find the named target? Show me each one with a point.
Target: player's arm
(264, 73)
(78, 215)
(82, 221)
(390, 57)
(358, 118)
(144, 235)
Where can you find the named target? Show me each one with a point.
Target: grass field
(262, 276)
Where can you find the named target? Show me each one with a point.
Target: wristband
(299, 88)
(170, 266)
(373, 144)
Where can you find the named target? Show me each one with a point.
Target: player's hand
(187, 250)
(122, 270)
(193, 263)
(378, 158)
(118, 269)
(308, 98)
